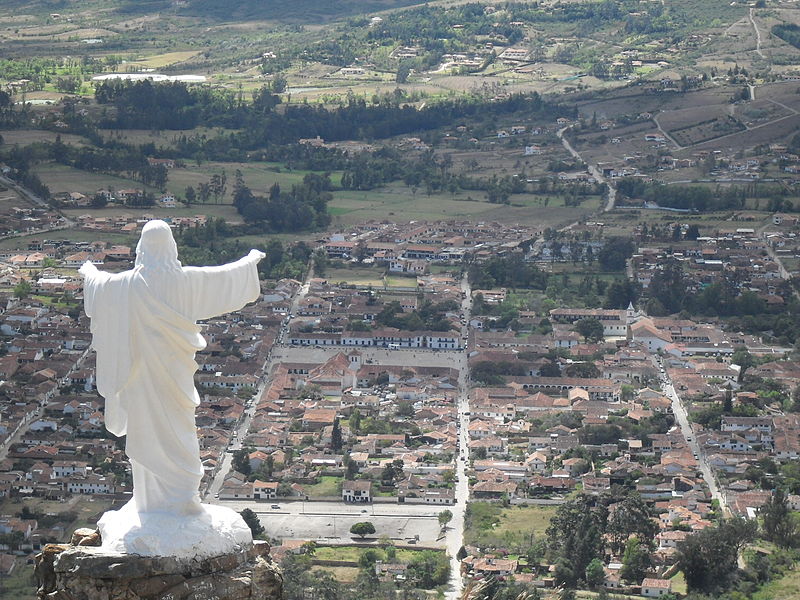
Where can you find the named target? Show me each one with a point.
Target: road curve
(594, 171)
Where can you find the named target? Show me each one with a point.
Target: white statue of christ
(144, 330)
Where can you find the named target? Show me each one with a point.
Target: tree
(709, 557)
(778, 521)
(368, 559)
(355, 420)
(241, 461)
(190, 195)
(564, 573)
(615, 252)
(595, 575)
(23, 289)
(631, 517)
(445, 517)
(390, 552)
(99, 200)
(321, 262)
(362, 529)
(582, 369)
(591, 329)
(575, 534)
(429, 569)
(278, 85)
(336, 435)
(620, 294)
(636, 561)
(550, 369)
(403, 71)
(392, 472)
(205, 192)
(744, 359)
(251, 518)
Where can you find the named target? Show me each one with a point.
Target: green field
(399, 203)
(353, 553)
(259, 176)
(21, 584)
(327, 486)
(369, 276)
(161, 139)
(357, 275)
(785, 588)
(514, 528)
(394, 202)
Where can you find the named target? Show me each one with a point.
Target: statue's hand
(87, 268)
(256, 254)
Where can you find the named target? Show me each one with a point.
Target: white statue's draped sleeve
(106, 301)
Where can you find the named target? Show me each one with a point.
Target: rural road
(665, 134)
(594, 171)
(758, 36)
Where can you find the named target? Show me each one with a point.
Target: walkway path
(758, 35)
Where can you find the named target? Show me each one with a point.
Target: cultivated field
(61, 178)
(160, 61)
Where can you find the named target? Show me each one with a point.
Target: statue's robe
(144, 329)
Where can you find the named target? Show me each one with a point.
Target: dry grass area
(341, 574)
(86, 33)
(164, 60)
(23, 137)
(61, 178)
(161, 139)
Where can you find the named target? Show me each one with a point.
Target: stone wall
(81, 572)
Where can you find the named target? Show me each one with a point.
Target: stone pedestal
(79, 572)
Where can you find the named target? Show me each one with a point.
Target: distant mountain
(296, 11)
(291, 10)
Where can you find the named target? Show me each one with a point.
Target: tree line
(176, 105)
(702, 198)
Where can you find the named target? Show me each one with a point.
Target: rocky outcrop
(82, 572)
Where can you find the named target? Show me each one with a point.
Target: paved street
(682, 420)
(455, 532)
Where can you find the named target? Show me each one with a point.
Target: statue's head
(157, 248)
